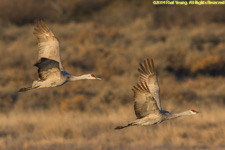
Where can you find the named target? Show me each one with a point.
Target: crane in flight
(147, 104)
(50, 70)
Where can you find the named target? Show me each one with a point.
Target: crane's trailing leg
(27, 89)
(121, 127)
(35, 85)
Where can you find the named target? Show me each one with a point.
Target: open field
(75, 130)
(109, 41)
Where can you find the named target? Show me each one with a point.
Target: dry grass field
(109, 39)
(57, 130)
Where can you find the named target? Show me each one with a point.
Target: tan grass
(31, 129)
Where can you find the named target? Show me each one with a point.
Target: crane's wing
(47, 68)
(144, 102)
(48, 45)
(148, 74)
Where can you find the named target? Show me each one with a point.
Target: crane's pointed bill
(95, 77)
(194, 111)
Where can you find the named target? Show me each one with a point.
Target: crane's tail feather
(27, 89)
(121, 127)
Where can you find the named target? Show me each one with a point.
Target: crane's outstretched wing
(144, 102)
(148, 74)
(48, 68)
(48, 45)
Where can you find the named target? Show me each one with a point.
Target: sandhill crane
(147, 104)
(50, 70)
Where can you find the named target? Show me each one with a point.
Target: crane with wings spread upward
(147, 105)
(50, 70)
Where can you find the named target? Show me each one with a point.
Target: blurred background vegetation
(109, 38)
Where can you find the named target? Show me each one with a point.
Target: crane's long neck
(171, 115)
(74, 78)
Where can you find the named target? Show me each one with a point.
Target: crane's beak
(93, 77)
(195, 111)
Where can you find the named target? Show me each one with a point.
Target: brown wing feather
(148, 74)
(144, 102)
(48, 45)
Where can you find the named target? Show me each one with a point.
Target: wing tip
(40, 28)
(147, 66)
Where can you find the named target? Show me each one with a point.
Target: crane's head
(91, 76)
(193, 111)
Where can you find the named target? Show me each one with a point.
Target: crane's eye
(92, 75)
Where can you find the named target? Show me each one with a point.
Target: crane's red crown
(92, 75)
